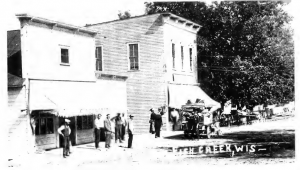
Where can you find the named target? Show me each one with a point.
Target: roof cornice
(57, 24)
(189, 24)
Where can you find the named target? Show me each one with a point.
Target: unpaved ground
(148, 150)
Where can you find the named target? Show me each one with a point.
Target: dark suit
(152, 120)
(157, 125)
(108, 131)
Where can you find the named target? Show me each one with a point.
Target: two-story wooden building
(158, 54)
(55, 68)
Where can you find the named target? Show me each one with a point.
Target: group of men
(102, 128)
(156, 122)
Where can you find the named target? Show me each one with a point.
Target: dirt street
(277, 137)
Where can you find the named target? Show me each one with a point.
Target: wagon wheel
(208, 132)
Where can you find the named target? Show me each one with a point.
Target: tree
(245, 49)
(124, 15)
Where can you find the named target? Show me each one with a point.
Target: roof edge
(56, 23)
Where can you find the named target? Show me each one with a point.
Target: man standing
(151, 121)
(66, 135)
(108, 131)
(130, 131)
(118, 128)
(124, 124)
(158, 123)
(99, 127)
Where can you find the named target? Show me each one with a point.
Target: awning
(78, 98)
(180, 94)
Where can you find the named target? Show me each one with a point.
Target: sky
(79, 12)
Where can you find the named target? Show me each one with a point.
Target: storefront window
(44, 123)
(84, 122)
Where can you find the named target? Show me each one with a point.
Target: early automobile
(199, 121)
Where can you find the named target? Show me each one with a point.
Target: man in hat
(158, 123)
(108, 131)
(151, 121)
(118, 127)
(130, 130)
(66, 135)
(99, 127)
(124, 124)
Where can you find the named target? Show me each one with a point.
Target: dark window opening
(65, 55)
(85, 122)
(182, 57)
(99, 58)
(133, 57)
(173, 54)
(44, 123)
(191, 59)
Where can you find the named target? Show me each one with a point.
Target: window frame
(173, 53)
(128, 56)
(102, 69)
(38, 127)
(85, 127)
(182, 56)
(191, 58)
(60, 54)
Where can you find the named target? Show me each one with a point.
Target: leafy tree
(245, 49)
(124, 15)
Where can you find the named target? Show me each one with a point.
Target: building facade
(56, 65)
(158, 54)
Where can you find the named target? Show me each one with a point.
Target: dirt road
(278, 135)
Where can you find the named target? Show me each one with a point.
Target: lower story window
(84, 122)
(44, 123)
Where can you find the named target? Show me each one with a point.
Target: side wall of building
(41, 53)
(184, 71)
(146, 87)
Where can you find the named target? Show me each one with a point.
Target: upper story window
(182, 57)
(173, 54)
(64, 53)
(191, 59)
(133, 57)
(99, 59)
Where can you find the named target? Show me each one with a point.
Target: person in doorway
(108, 131)
(158, 124)
(124, 124)
(152, 120)
(99, 127)
(66, 135)
(130, 131)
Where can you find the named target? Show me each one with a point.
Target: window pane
(43, 126)
(130, 50)
(50, 126)
(84, 122)
(37, 127)
(173, 54)
(99, 52)
(191, 58)
(182, 57)
(90, 122)
(79, 122)
(64, 55)
(135, 49)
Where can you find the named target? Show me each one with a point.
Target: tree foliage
(124, 15)
(245, 49)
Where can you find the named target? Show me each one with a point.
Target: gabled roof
(56, 23)
(166, 14)
(14, 81)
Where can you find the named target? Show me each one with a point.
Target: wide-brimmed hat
(151, 109)
(107, 114)
(67, 121)
(131, 116)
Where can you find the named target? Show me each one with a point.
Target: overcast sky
(80, 12)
